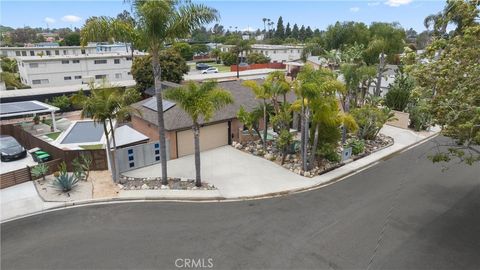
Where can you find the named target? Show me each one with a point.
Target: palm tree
(264, 26)
(200, 101)
(240, 47)
(262, 92)
(104, 105)
(156, 24)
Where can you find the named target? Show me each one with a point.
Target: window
(32, 53)
(82, 51)
(103, 61)
(33, 65)
(57, 52)
(24, 53)
(101, 76)
(76, 61)
(67, 78)
(64, 52)
(291, 51)
(129, 73)
(17, 53)
(129, 58)
(78, 77)
(274, 51)
(298, 51)
(48, 52)
(116, 61)
(65, 61)
(41, 81)
(118, 75)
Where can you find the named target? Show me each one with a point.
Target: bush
(228, 58)
(397, 99)
(62, 102)
(358, 146)
(81, 166)
(420, 116)
(257, 58)
(329, 152)
(39, 171)
(398, 96)
(370, 120)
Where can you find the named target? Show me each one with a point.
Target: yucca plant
(65, 181)
(39, 171)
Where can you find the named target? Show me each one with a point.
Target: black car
(202, 66)
(10, 149)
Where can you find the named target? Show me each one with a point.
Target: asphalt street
(404, 213)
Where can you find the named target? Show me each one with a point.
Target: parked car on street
(10, 149)
(210, 70)
(202, 66)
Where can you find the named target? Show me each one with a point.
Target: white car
(210, 70)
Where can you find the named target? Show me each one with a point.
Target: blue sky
(243, 14)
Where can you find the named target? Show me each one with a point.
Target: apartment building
(276, 53)
(61, 70)
(46, 50)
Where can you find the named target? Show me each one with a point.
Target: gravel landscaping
(130, 183)
(82, 191)
(293, 162)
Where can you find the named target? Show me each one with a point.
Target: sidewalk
(236, 174)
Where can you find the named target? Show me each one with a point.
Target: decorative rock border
(293, 161)
(155, 183)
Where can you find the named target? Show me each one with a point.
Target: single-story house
(221, 130)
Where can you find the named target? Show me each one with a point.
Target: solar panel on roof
(18, 107)
(152, 104)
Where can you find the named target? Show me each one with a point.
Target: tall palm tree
(262, 92)
(240, 47)
(264, 26)
(200, 101)
(156, 24)
(104, 105)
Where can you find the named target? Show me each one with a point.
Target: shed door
(211, 136)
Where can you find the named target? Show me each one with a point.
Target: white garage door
(210, 137)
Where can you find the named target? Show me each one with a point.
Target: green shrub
(420, 116)
(329, 152)
(228, 58)
(39, 171)
(398, 96)
(370, 120)
(81, 166)
(62, 102)
(358, 146)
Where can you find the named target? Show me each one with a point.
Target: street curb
(65, 205)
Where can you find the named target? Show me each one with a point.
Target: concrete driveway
(238, 174)
(235, 173)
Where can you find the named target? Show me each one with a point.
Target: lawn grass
(53, 135)
(92, 146)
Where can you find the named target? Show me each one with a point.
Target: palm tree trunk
(157, 74)
(110, 157)
(238, 68)
(307, 130)
(265, 125)
(258, 133)
(114, 142)
(302, 130)
(379, 75)
(196, 138)
(314, 147)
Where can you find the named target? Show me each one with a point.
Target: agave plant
(65, 181)
(40, 170)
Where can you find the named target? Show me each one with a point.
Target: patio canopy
(32, 107)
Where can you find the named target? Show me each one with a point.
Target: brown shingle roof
(176, 118)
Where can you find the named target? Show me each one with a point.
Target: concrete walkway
(236, 174)
(21, 200)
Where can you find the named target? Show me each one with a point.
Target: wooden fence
(23, 175)
(29, 141)
(259, 66)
